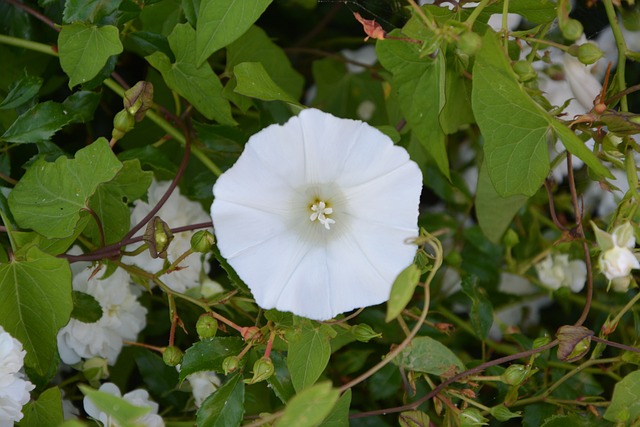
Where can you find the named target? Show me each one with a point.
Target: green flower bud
(157, 236)
(571, 29)
(469, 43)
(95, 369)
(206, 326)
(525, 71)
(230, 364)
(510, 238)
(472, 417)
(364, 332)
(588, 53)
(574, 342)
(138, 99)
(202, 241)
(515, 374)
(540, 341)
(172, 355)
(262, 369)
(123, 122)
(501, 413)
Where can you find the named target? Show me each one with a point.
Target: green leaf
(413, 419)
(84, 49)
(310, 407)
(220, 22)
(625, 402)
(571, 420)
(90, 11)
(424, 354)
(198, 84)
(308, 353)
(85, 308)
(280, 381)
(254, 81)
(576, 147)
(116, 407)
(514, 127)
(481, 309)
(208, 355)
(236, 281)
(456, 111)
(35, 304)
(82, 105)
(46, 411)
(494, 212)
(111, 199)
(402, 291)
(535, 11)
(21, 91)
(38, 123)
(50, 197)
(415, 73)
(225, 407)
(339, 415)
(256, 46)
(50, 246)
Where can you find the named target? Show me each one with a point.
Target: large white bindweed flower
(14, 390)
(316, 213)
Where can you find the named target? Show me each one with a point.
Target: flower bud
(252, 333)
(138, 99)
(202, 241)
(469, 43)
(413, 419)
(95, 369)
(157, 236)
(589, 53)
(230, 364)
(571, 29)
(510, 238)
(515, 374)
(525, 71)
(262, 369)
(574, 342)
(123, 122)
(472, 417)
(501, 413)
(172, 355)
(206, 326)
(364, 332)
(541, 341)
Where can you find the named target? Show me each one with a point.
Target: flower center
(320, 211)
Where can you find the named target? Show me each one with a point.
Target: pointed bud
(138, 99)
(571, 29)
(206, 326)
(364, 332)
(472, 417)
(123, 122)
(525, 71)
(515, 374)
(157, 236)
(589, 53)
(262, 369)
(574, 342)
(95, 369)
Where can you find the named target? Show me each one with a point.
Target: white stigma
(320, 212)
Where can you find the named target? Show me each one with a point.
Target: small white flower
(557, 271)
(122, 319)
(203, 383)
(617, 260)
(176, 212)
(14, 390)
(264, 214)
(137, 397)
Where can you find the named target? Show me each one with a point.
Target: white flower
(616, 260)
(11, 354)
(318, 266)
(176, 212)
(557, 271)
(14, 390)
(137, 397)
(202, 385)
(122, 319)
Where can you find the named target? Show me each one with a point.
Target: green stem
(622, 51)
(626, 308)
(477, 11)
(429, 24)
(28, 44)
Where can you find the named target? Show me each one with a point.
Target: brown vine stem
(433, 393)
(35, 14)
(615, 344)
(552, 207)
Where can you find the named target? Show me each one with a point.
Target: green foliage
(321, 397)
(46, 411)
(116, 407)
(481, 314)
(402, 291)
(625, 405)
(424, 354)
(208, 355)
(253, 81)
(225, 407)
(35, 304)
(308, 353)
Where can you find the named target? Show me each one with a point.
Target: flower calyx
(157, 236)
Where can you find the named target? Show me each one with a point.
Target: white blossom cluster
(177, 211)
(556, 271)
(138, 397)
(14, 389)
(122, 319)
